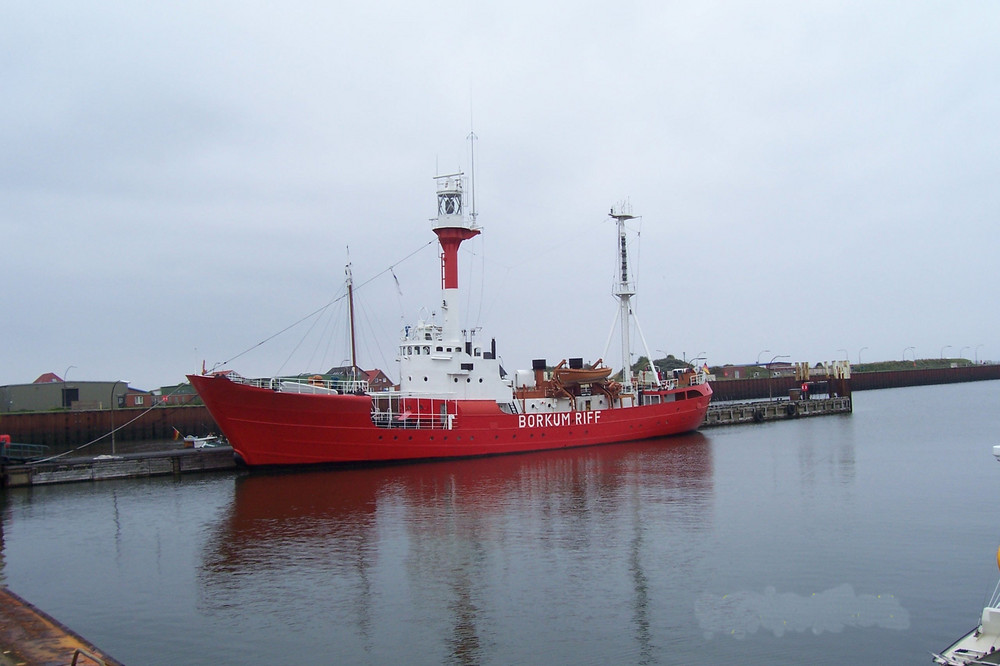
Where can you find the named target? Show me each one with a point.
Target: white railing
(392, 409)
(696, 378)
(305, 385)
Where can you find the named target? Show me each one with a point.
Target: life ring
(4, 439)
(758, 415)
(316, 380)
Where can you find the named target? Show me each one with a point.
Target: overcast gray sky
(180, 181)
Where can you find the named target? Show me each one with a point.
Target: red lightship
(453, 399)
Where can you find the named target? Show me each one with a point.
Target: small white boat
(982, 644)
(201, 442)
(190, 441)
(996, 451)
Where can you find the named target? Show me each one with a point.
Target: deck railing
(392, 409)
(696, 378)
(305, 384)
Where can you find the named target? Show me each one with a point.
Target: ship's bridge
(452, 369)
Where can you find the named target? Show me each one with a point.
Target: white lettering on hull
(558, 419)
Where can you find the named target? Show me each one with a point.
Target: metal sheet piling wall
(778, 387)
(864, 381)
(65, 429)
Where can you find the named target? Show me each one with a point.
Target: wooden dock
(762, 411)
(130, 465)
(29, 636)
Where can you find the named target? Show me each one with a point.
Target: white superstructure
(442, 360)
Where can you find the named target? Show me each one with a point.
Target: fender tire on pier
(792, 410)
(758, 415)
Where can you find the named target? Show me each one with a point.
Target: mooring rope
(155, 405)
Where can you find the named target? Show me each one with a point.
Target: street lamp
(769, 373)
(762, 351)
(961, 354)
(977, 353)
(912, 349)
(113, 387)
(846, 357)
(859, 354)
(943, 348)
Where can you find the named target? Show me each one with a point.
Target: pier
(761, 411)
(129, 465)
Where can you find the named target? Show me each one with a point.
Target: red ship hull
(267, 427)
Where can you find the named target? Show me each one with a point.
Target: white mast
(624, 291)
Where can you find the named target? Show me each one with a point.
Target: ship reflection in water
(455, 561)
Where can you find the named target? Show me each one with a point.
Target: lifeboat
(568, 376)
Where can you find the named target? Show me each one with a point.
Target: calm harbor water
(867, 538)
